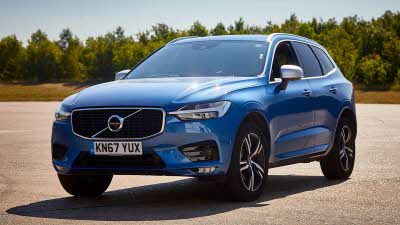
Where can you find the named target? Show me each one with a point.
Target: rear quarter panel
(328, 106)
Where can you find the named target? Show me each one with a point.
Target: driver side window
(284, 55)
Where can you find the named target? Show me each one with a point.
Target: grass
(382, 97)
(58, 91)
(37, 92)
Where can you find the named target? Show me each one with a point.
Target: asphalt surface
(296, 194)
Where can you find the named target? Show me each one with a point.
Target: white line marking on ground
(13, 131)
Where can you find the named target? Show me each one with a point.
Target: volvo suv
(227, 108)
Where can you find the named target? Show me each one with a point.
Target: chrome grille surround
(118, 108)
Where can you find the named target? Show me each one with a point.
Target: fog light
(205, 151)
(205, 170)
(58, 151)
(61, 168)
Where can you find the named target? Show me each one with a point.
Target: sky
(96, 17)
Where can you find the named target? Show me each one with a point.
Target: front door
(290, 109)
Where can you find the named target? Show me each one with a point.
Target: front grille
(144, 123)
(145, 161)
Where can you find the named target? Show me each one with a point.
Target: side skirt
(299, 159)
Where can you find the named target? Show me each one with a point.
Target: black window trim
(309, 45)
(320, 64)
(316, 57)
(319, 61)
(295, 54)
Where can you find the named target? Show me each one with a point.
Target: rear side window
(309, 61)
(326, 63)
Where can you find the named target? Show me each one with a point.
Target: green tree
(43, 57)
(238, 27)
(219, 29)
(346, 55)
(316, 26)
(143, 37)
(290, 25)
(12, 59)
(98, 57)
(366, 51)
(305, 30)
(65, 38)
(128, 55)
(271, 28)
(253, 30)
(119, 35)
(372, 71)
(391, 55)
(197, 29)
(71, 65)
(162, 32)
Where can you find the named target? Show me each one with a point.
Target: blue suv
(224, 107)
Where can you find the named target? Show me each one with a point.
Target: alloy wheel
(346, 152)
(252, 162)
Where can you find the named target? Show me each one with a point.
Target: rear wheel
(339, 163)
(248, 170)
(85, 185)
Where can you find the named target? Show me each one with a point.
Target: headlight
(202, 111)
(61, 114)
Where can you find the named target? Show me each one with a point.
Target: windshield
(204, 58)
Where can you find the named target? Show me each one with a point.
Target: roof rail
(181, 38)
(294, 35)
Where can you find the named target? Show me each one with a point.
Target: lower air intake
(205, 151)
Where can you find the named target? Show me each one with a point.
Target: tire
(207, 179)
(340, 161)
(85, 185)
(239, 184)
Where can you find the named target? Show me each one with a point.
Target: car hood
(157, 92)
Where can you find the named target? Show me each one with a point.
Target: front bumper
(164, 147)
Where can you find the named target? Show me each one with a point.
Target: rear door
(326, 99)
(314, 73)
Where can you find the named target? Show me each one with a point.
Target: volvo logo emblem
(115, 123)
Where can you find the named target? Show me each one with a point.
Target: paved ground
(297, 194)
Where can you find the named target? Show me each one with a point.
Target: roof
(223, 38)
(245, 37)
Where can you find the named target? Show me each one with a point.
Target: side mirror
(290, 73)
(121, 74)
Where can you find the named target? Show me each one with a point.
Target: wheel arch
(348, 112)
(255, 112)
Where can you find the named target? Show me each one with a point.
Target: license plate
(117, 148)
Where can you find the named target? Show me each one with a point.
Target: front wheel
(339, 163)
(85, 185)
(248, 170)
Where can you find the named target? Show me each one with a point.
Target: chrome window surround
(269, 40)
(307, 43)
(107, 108)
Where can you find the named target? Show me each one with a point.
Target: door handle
(333, 90)
(306, 93)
